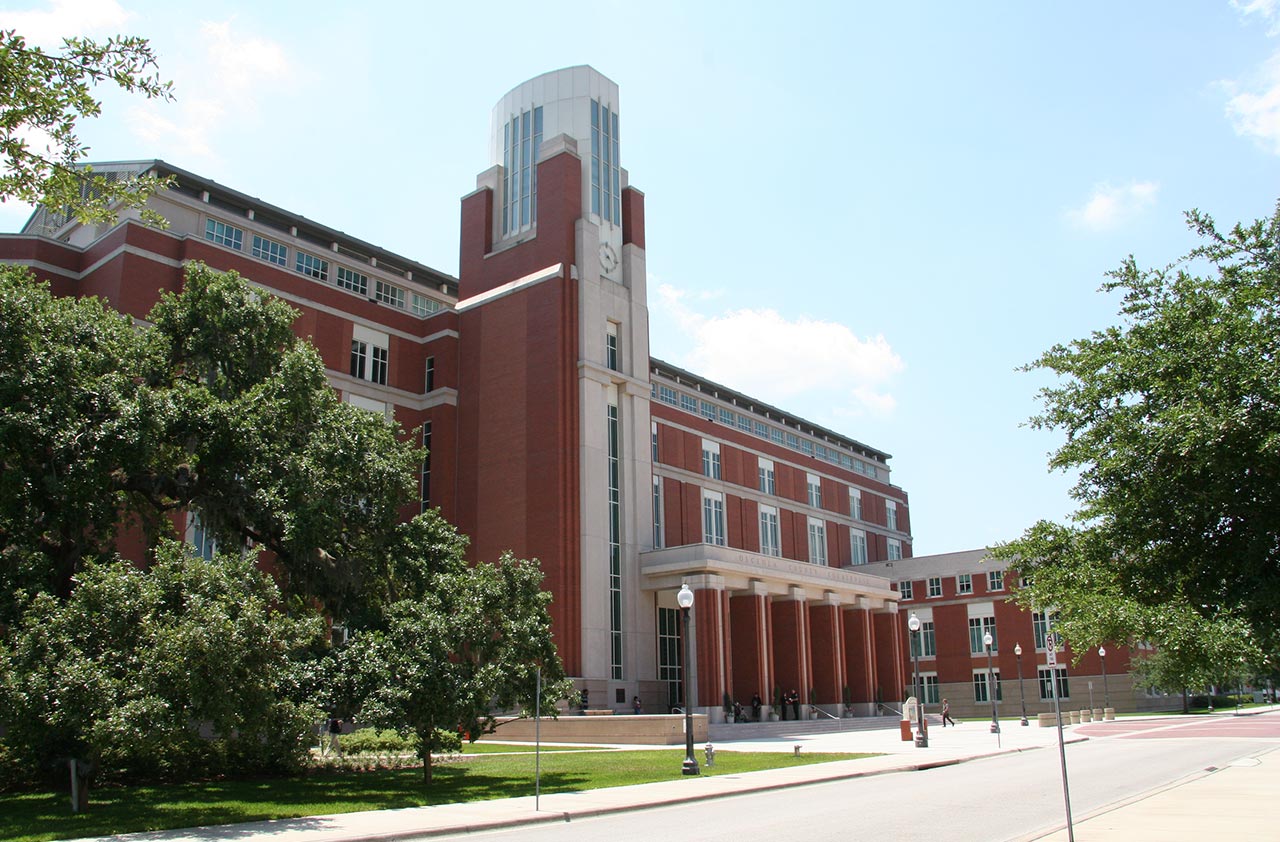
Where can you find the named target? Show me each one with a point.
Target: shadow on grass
(44, 816)
(37, 817)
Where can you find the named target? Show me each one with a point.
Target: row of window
(713, 531)
(1045, 676)
(924, 642)
(318, 268)
(750, 424)
(964, 584)
(767, 482)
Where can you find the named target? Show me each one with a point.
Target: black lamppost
(1106, 697)
(1022, 697)
(690, 767)
(987, 640)
(913, 623)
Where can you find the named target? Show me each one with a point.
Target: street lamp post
(1106, 696)
(913, 623)
(987, 640)
(1022, 697)
(690, 767)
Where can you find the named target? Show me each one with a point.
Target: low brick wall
(645, 729)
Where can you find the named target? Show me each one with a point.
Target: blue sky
(868, 214)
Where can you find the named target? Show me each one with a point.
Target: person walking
(946, 714)
(635, 705)
(335, 730)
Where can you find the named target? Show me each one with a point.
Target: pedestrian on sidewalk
(946, 714)
(635, 705)
(755, 707)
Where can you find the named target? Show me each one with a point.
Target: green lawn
(34, 817)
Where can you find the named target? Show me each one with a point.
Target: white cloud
(1268, 10)
(765, 355)
(217, 88)
(1253, 106)
(1110, 206)
(66, 18)
(1254, 110)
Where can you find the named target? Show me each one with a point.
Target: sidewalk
(1234, 800)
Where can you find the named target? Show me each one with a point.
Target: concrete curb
(556, 816)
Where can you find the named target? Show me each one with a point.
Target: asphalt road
(1010, 797)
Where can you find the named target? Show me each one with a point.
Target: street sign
(1051, 656)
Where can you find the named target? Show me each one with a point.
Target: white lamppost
(690, 767)
(913, 623)
(1022, 697)
(987, 640)
(1106, 696)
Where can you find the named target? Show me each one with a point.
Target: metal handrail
(880, 705)
(816, 709)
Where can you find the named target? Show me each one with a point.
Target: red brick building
(552, 431)
(959, 598)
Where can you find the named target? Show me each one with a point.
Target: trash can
(905, 725)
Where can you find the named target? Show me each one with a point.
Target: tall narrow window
(767, 484)
(817, 541)
(521, 137)
(653, 440)
(669, 657)
(426, 465)
(615, 538)
(855, 504)
(894, 547)
(711, 459)
(657, 513)
(814, 484)
(1040, 628)
(769, 538)
(611, 346)
(857, 546)
(891, 514)
(378, 372)
(202, 541)
(359, 358)
(713, 518)
(606, 187)
(978, 629)
(924, 643)
(431, 374)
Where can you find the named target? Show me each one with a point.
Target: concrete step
(789, 728)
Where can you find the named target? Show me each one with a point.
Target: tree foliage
(1172, 418)
(42, 98)
(184, 668)
(1070, 571)
(467, 644)
(217, 408)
